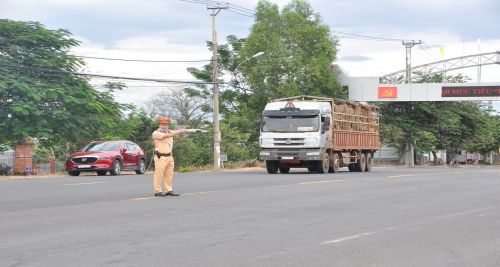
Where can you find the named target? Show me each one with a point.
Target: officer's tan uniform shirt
(162, 145)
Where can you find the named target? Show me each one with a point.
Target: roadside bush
(5, 169)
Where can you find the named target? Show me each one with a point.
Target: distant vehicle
(112, 156)
(320, 134)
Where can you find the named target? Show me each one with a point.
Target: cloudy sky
(178, 30)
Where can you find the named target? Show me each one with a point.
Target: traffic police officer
(164, 162)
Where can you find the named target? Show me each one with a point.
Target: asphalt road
(388, 217)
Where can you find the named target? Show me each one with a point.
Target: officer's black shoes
(169, 193)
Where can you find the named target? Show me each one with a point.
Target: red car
(112, 156)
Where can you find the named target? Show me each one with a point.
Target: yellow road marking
(185, 194)
(320, 182)
(143, 198)
(199, 193)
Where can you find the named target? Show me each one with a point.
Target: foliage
(5, 169)
(193, 149)
(433, 126)
(298, 55)
(40, 94)
(4, 148)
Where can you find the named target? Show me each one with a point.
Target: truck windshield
(290, 124)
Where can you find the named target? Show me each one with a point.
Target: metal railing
(443, 66)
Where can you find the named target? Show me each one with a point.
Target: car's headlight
(315, 153)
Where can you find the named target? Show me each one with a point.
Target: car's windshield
(290, 124)
(106, 146)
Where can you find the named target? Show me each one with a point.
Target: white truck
(320, 134)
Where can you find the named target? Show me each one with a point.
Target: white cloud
(155, 47)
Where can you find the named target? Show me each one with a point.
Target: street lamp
(254, 56)
(217, 135)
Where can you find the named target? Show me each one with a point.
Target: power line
(112, 59)
(230, 7)
(145, 60)
(57, 72)
(364, 37)
(428, 47)
(246, 15)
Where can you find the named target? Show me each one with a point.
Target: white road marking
(402, 175)
(88, 183)
(392, 228)
(342, 239)
(463, 213)
(320, 182)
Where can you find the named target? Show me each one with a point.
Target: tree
(299, 53)
(432, 126)
(179, 105)
(298, 56)
(41, 96)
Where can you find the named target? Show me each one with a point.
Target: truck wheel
(272, 166)
(361, 165)
(324, 165)
(312, 169)
(284, 169)
(369, 162)
(336, 164)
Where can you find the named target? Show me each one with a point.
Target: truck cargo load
(320, 134)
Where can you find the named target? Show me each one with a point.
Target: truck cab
(294, 134)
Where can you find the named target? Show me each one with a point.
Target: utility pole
(217, 136)
(408, 45)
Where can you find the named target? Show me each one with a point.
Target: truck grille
(84, 160)
(288, 141)
(293, 154)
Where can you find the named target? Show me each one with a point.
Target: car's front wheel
(142, 167)
(117, 168)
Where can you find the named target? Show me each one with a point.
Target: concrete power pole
(217, 136)
(408, 45)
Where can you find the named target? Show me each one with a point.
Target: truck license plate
(83, 166)
(286, 157)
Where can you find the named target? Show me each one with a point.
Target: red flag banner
(387, 92)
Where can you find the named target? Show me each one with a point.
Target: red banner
(388, 92)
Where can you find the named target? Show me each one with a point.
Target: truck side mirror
(326, 124)
(258, 123)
